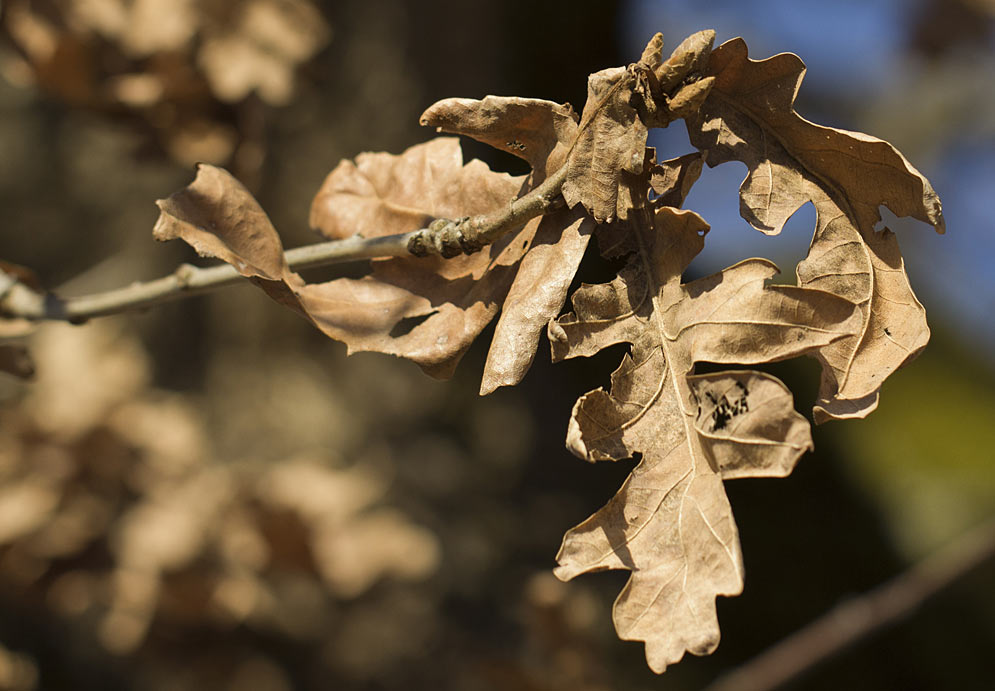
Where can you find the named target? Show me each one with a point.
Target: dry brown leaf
(612, 139)
(671, 180)
(428, 310)
(219, 218)
(382, 194)
(621, 103)
(671, 523)
(749, 116)
(541, 132)
(536, 296)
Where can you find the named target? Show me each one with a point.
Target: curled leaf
(535, 130)
(536, 295)
(612, 139)
(621, 104)
(541, 132)
(671, 180)
(219, 218)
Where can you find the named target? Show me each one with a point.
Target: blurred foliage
(187, 74)
(191, 501)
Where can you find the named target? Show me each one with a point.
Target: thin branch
(858, 618)
(17, 300)
(444, 237)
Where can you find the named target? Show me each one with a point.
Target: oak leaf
(671, 523)
(621, 104)
(538, 131)
(749, 116)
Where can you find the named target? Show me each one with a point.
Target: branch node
(184, 274)
(446, 238)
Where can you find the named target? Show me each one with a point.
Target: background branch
(860, 617)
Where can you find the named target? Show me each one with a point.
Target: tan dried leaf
(671, 180)
(749, 116)
(382, 194)
(541, 132)
(219, 218)
(536, 296)
(612, 139)
(428, 310)
(621, 104)
(670, 523)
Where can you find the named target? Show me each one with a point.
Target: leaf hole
(408, 324)
(731, 239)
(896, 224)
(497, 159)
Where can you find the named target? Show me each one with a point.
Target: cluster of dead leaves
(181, 68)
(852, 307)
(116, 518)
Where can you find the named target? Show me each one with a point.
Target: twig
(17, 300)
(858, 618)
(444, 237)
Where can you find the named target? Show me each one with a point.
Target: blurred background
(210, 495)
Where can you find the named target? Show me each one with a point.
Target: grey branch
(19, 301)
(443, 237)
(858, 618)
